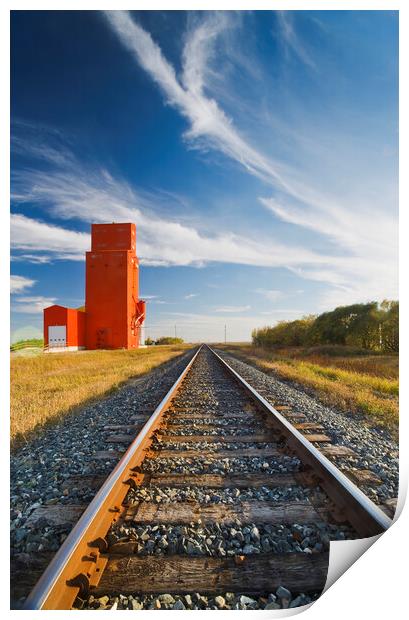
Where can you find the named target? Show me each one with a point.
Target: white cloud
(363, 234)
(368, 236)
(292, 40)
(32, 305)
(270, 294)
(94, 195)
(191, 295)
(196, 327)
(365, 269)
(40, 148)
(362, 263)
(37, 236)
(208, 121)
(282, 313)
(361, 228)
(36, 259)
(18, 284)
(233, 309)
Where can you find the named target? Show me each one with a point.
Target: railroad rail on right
(233, 506)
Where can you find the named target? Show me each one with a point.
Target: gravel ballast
(42, 470)
(206, 495)
(222, 541)
(213, 403)
(234, 465)
(47, 472)
(281, 599)
(376, 450)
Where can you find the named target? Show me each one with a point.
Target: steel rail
(52, 590)
(79, 563)
(365, 516)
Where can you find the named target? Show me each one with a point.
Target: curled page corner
(344, 553)
(403, 490)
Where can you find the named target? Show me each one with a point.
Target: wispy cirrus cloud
(32, 305)
(37, 236)
(369, 237)
(209, 125)
(291, 39)
(92, 194)
(232, 309)
(282, 312)
(358, 231)
(270, 294)
(361, 265)
(19, 284)
(35, 259)
(83, 193)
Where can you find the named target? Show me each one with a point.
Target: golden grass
(46, 387)
(363, 384)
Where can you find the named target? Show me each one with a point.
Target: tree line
(164, 340)
(373, 326)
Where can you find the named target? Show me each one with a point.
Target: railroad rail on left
(219, 502)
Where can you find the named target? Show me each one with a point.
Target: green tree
(169, 340)
(373, 326)
(389, 326)
(285, 333)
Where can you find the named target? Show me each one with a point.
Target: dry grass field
(46, 387)
(349, 379)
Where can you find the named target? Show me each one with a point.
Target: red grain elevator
(113, 312)
(113, 309)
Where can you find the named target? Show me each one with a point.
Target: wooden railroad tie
(248, 512)
(257, 574)
(318, 438)
(308, 426)
(172, 417)
(338, 451)
(260, 438)
(239, 481)
(217, 454)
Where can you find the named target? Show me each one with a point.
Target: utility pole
(175, 331)
(225, 334)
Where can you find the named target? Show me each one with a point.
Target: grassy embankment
(36, 343)
(350, 379)
(46, 387)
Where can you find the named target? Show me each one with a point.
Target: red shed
(64, 328)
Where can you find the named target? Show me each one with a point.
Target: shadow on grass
(22, 439)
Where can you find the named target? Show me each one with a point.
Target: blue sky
(255, 151)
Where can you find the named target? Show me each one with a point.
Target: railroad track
(219, 502)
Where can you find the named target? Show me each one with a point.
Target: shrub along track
(220, 502)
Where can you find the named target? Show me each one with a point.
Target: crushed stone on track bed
(210, 404)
